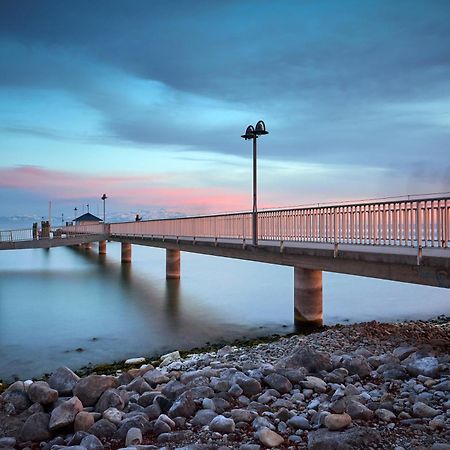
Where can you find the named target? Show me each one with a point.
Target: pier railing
(408, 223)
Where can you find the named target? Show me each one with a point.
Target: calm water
(57, 301)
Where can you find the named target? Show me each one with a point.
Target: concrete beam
(173, 259)
(308, 298)
(102, 247)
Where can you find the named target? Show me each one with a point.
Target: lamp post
(104, 197)
(253, 133)
(75, 213)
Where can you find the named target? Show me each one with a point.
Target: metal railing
(408, 223)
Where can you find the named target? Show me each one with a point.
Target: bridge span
(404, 240)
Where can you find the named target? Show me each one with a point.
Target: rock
(173, 389)
(243, 415)
(103, 429)
(134, 437)
(385, 415)
(7, 442)
(160, 427)
(65, 414)
(358, 411)
(269, 438)
(336, 422)
(89, 389)
(63, 380)
(356, 365)
(139, 421)
(133, 361)
(155, 377)
(36, 428)
(442, 386)
(313, 360)
(203, 417)
(41, 392)
(175, 437)
(427, 366)
(278, 382)
(314, 383)
(83, 421)
(184, 406)
(354, 438)
(222, 425)
(403, 352)
(299, 423)
(392, 371)
(249, 385)
(169, 358)
(219, 384)
(262, 422)
(17, 397)
(91, 442)
(109, 399)
(423, 410)
(113, 415)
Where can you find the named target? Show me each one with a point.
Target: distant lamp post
(75, 213)
(104, 197)
(253, 133)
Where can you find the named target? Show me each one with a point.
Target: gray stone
(442, 386)
(427, 366)
(354, 438)
(403, 352)
(314, 383)
(89, 389)
(299, 423)
(262, 422)
(36, 428)
(423, 410)
(91, 442)
(7, 442)
(184, 406)
(336, 422)
(155, 377)
(221, 424)
(113, 415)
(140, 422)
(16, 396)
(219, 384)
(41, 392)
(103, 429)
(203, 417)
(175, 437)
(65, 414)
(109, 399)
(63, 380)
(313, 360)
(269, 438)
(356, 365)
(278, 382)
(134, 437)
(385, 415)
(243, 415)
(249, 385)
(173, 389)
(160, 427)
(358, 411)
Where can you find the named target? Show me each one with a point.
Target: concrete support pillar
(126, 252)
(102, 247)
(308, 300)
(87, 245)
(173, 264)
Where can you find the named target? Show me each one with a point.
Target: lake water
(71, 307)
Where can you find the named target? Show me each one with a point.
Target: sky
(146, 101)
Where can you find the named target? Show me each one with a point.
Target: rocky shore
(370, 385)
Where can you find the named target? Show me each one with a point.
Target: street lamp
(104, 197)
(75, 213)
(253, 133)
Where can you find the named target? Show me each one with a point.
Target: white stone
(134, 361)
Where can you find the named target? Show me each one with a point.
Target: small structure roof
(88, 217)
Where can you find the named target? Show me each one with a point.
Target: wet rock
(89, 389)
(314, 361)
(354, 438)
(222, 425)
(41, 392)
(36, 428)
(65, 414)
(336, 422)
(91, 442)
(83, 421)
(269, 438)
(63, 380)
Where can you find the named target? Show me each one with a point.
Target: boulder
(203, 417)
(65, 414)
(314, 383)
(336, 422)
(221, 424)
(103, 429)
(91, 442)
(36, 428)
(63, 380)
(358, 411)
(155, 377)
(90, 389)
(109, 399)
(113, 415)
(83, 421)
(184, 406)
(41, 392)
(249, 385)
(427, 366)
(278, 382)
(356, 365)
